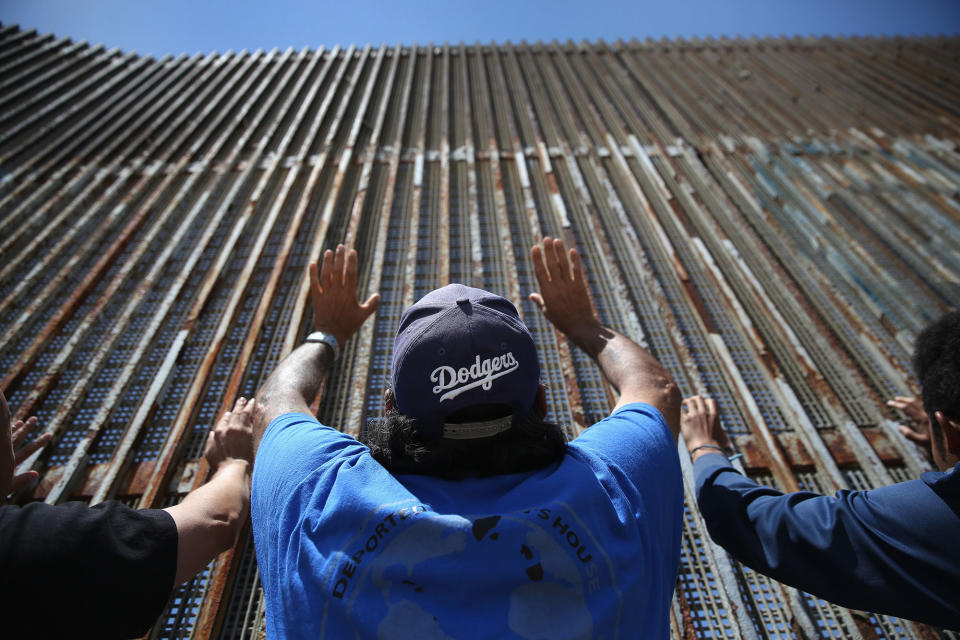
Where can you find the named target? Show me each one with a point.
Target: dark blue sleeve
(891, 550)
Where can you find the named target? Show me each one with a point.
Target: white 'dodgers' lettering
(481, 373)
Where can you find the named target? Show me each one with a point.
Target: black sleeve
(84, 572)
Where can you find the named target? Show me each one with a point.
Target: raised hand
(700, 427)
(333, 293)
(919, 432)
(563, 296)
(232, 437)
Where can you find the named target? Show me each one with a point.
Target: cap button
(463, 301)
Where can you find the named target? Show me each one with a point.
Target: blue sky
(158, 27)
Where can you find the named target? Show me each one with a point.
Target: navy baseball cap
(461, 347)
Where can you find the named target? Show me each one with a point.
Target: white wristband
(327, 339)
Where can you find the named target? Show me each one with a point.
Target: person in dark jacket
(891, 550)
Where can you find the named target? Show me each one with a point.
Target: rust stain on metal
(796, 452)
(839, 448)
(883, 445)
(754, 456)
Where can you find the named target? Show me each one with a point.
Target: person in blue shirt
(891, 550)
(462, 512)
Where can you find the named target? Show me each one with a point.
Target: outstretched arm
(880, 550)
(293, 385)
(565, 301)
(209, 519)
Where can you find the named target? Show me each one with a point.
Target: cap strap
(472, 430)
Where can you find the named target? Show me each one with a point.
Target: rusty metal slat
(843, 87)
(873, 464)
(634, 109)
(75, 466)
(720, 348)
(579, 94)
(18, 172)
(683, 110)
(857, 263)
(14, 51)
(116, 281)
(728, 599)
(926, 223)
(602, 249)
(33, 93)
(370, 152)
(56, 150)
(544, 123)
(261, 313)
(757, 310)
(510, 75)
(801, 219)
(654, 120)
(169, 453)
(36, 74)
(218, 584)
(792, 315)
(97, 173)
(293, 332)
(473, 214)
(927, 173)
(613, 144)
(597, 246)
(29, 355)
(694, 97)
(652, 87)
(763, 105)
(813, 286)
(785, 96)
(52, 372)
(917, 56)
(417, 193)
(191, 319)
(124, 448)
(363, 354)
(897, 251)
(775, 382)
(568, 128)
(814, 96)
(492, 155)
(90, 92)
(729, 101)
(443, 249)
(910, 91)
(346, 155)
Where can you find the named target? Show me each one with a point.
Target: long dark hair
(396, 443)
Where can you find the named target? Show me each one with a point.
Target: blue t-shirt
(585, 548)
